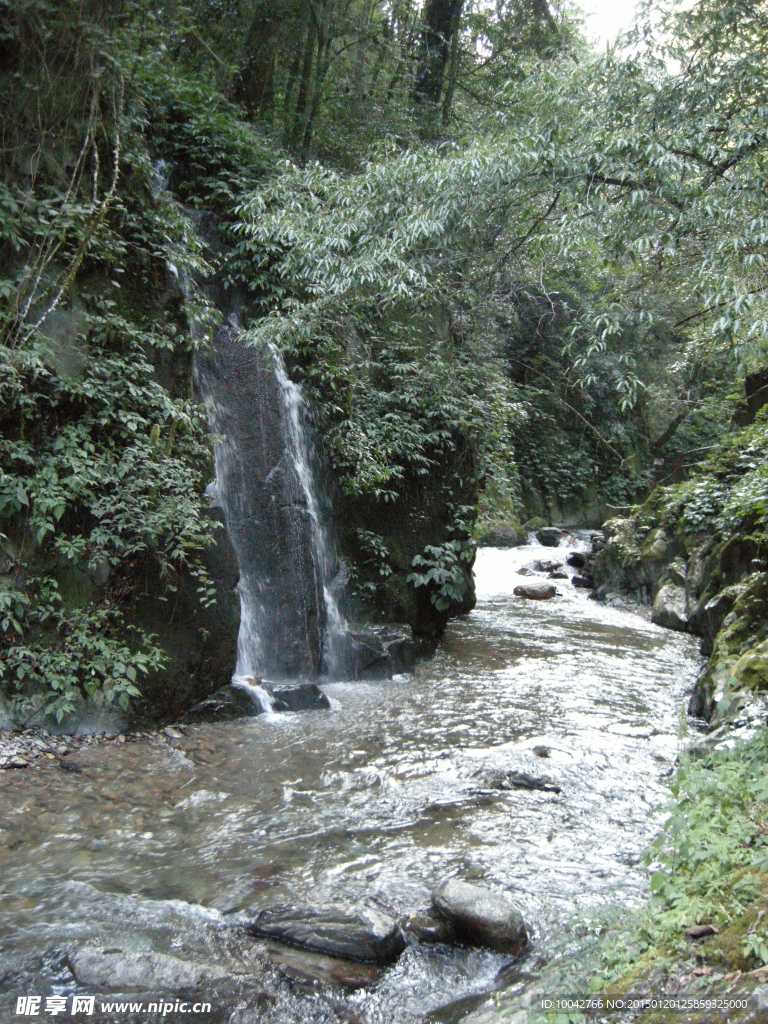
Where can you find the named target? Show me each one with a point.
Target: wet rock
(545, 565)
(429, 927)
(525, 571)
(502, 537)
(378, 652)
(301, 697)
(481, 917)
(536, 591)
(577, 559)
(302, 965)
(558, 574)
(522, 780)
(362, 934)
(225, 705)
(518, 780)
(118, 970)
(550, 536)
(541, 751)
(669, 608)
(582, 582)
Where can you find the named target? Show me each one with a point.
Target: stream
(160, 844)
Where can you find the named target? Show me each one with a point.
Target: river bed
(159, 845)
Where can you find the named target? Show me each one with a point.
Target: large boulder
(225, 705)
(377, 652)
(481, 917)
(119, 970)
(550, 536)
(669, 608)
(751, 669)
(536, 591)
(502, 537)
(361, 934)
(577, 559)
(300, 697)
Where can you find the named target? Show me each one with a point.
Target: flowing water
(157, 844)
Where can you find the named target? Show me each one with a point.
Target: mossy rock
(655, 546)
(751, 670)
(534, 523)
(504, 534)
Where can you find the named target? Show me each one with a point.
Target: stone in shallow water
(225, 705)
(119, 970)
(545, 565)
(429, 927)
(549, 536)
(361, 934)
(301, 697)
(302, 965)
(481, 917)
(577, 559)
(536, 591)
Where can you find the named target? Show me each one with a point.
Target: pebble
(27, 747)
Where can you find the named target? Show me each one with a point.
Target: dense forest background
(518, 281)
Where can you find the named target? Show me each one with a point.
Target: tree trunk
(306, 73)
(255, 86)
(453, 70)
(439, 19)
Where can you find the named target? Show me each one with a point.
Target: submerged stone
(119, 970)
(536, 591)
(481, 917)
(302, 965)
(362, 934)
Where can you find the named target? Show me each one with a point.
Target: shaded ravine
(153, 846)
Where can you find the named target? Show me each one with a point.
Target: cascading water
(290, 624)
(303, 460)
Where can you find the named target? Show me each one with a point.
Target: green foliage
(74, 653)
(440, 569)
(708, 860)
(104, 453)
(729, 493)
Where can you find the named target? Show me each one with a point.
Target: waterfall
(304, 459)
(265, 484)
(290, 624)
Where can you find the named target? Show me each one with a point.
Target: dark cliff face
(266, 509)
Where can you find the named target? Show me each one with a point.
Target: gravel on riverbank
(36, 748)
